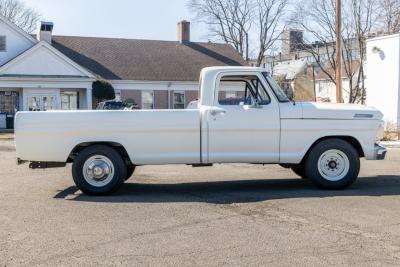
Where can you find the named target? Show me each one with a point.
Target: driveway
(176, 215)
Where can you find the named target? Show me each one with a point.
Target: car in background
(110, 105)
(131, 106)
(117, 105)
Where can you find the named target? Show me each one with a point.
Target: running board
(46, 165)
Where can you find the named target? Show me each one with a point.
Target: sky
(137, 19)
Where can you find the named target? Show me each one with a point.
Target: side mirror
(253, 104)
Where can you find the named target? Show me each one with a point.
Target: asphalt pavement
(180, 216)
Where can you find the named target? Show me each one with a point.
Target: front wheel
(333, 164)
(99, 170)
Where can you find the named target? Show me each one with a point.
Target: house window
(3, 44)
(69, 100)
(34, 103)
(147, 99)
(49, 103)
(179, 100)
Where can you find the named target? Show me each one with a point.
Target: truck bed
(148, 136)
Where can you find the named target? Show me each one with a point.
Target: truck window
(237, 90)
(280, 94)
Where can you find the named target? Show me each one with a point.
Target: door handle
(215, 112)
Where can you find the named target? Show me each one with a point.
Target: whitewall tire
(333, 164)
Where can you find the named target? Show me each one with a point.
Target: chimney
(45, 31)
(183, 32)
(292, 40)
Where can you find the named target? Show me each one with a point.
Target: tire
(110, 167)
(130, 169)
(300, 171)
(333, 164)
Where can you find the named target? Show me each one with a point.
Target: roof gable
(17, 29)
(16, 40)
(43, 60)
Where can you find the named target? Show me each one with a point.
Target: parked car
(320, 141)
(131, 106)
(110, 105)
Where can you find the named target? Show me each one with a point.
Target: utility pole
(247, 47)
(339, 97)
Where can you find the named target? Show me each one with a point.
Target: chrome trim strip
(363, 116)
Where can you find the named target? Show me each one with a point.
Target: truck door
(244, 123)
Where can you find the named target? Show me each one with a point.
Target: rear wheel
(99, 170)
(333, 164)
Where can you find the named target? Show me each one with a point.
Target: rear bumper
(379, 152)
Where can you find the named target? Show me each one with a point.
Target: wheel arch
(115, 145)
(350, 139)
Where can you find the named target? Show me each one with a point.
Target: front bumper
(379, 152)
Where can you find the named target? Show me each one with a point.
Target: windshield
(280, 94)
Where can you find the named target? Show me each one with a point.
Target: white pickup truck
(256, 124)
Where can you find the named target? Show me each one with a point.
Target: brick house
(47, 72)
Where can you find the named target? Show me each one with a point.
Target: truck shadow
(242, 191)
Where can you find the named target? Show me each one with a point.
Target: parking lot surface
(221, 216)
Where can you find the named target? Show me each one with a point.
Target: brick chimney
(183, 31)
(292, 40)
(45, 32)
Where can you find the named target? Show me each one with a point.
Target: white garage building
(383, 76)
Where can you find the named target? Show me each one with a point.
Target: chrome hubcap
(98, 170)
(333, 165)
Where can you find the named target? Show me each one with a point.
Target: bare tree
(362, 22)
(270, 13)
(18, 13)
(317, 19)
(390, 15)
(229, 20)
(232, 20)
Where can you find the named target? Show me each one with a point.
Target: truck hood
(312, 110)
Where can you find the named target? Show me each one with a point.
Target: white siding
(16, 43)
(383, 76)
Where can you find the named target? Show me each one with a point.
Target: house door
(39, 102)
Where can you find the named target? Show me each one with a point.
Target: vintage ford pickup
(256, 124)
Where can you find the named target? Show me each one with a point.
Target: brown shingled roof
(127, 59)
